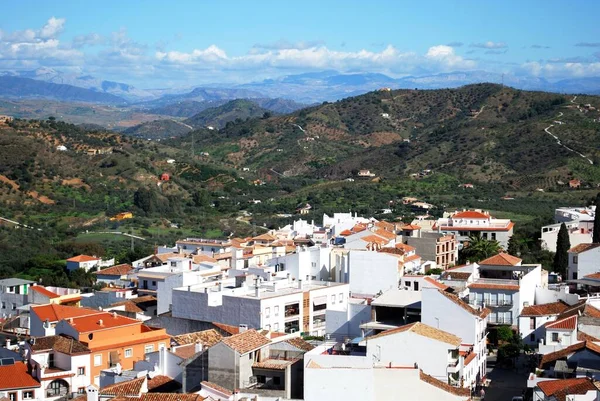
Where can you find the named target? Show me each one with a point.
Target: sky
(170, 43)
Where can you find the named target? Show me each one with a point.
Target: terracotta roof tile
(593, 276)
(374, 238)
(559, 389)
(463, 392)
(207, 338)
(16, 376)
(82, 258)
(385, 234)
(162, 384)
(185, 351)
(569, 323)
(203, 258)
(274, 364)
(41, 290)
(565, 352)
(470, 214)
(590, 311)
(581, 336)
(470, 358)
(554, 308)
(59, 343)
(227, 328)
(216, 387)
(501, 259)
(116, 270)
(386, 225)
(495, 286)
(167, 397)
(346, 233)
(422, 330)
(458, 276)
(583, 248)
(109, 320)
(128, 306)
(454, 298)
(410, 227)
(265, 237)
(405, 247)
(435, 283)
(299, 343)
(245, 342)
(54, 312)
(131, 388)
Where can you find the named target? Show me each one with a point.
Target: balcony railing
(491, 303)
(500, 320)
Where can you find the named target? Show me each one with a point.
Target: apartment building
(475, 222)
(276, 304)
(112, 339)
(13, 295)
(443, 309)
(208, 247)
(60, 363)
(16, 383)
(506, 286)
(43, 318)
(437, 247)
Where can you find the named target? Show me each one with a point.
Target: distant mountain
(188, 108)
(17, 87)
(123, 90)
(202, 94)
(158, 129)
(236, 110)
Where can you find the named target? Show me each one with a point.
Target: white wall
(588, 262)
(372, 272)
(346, 323)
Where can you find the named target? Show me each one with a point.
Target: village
(347, 308)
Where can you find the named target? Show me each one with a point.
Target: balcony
(292, 311)
(499, 320)
(453, 366)
(491, 303)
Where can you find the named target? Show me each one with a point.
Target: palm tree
(480, 248)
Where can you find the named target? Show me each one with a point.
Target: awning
(114, 357)
(322, 300)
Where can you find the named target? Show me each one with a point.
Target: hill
(185, 108)
(235, 110)
(481, 133)
(17, 87)
(158, 129)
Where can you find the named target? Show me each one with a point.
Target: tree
(561, 257)
(480, 248)
(596, 236)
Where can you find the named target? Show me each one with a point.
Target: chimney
(198, 347)
(91, 393)
(289, 278)
(243, 328)
(257, 291)
(100, 322)
(300, 284)
(114, 315)
(220, 286)
(7, 342)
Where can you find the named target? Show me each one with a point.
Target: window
(260, 379)
(276, 311)
(149, 348)
(154, 284)
(276, 380)
(575, 276)
(333, 299)
(493, 236)
(531, 323)
(3, 305)
(28, 395)
(555, 337)
(51, 360)
(13, 397)
(14, 306)
(250, 356)
(98, 360)
(575, 259)
(267, 313)
(416, 286)
(276, 327)
(408, 284)
(341, 297)
(128, 352)
(81, 390)
(81, 371)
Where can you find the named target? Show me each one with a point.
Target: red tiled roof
(346, 233)
(581, 336)
(435, 283)
(424, 331)
(245, 342)
(454, 298)
(569, 323)
(131, 388)
(565, 352)
(405, 247)
(463, 392)
(508, 227)
(470, 214)
(185, 351)
(116, 270)
(583, 247)
(593, 276)
(82, 258)
(59, 343)
(101, 321)
(162, 384)
(410, 227)
(206, 337)
(590, 311)
(501, 259)
(494, 286)
(411, 258)
(470, 358)
(385, 234)
(54, 313)
(559, 389)
(216, 387)
(16, 377)
(165, 397)
(227, 328)
(41, 290)
(299, 343)
(374, 238)
(554, 308)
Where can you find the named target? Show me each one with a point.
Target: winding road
(547, 129)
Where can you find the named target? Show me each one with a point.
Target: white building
(276, 304)
(533, 319)
(580, 232)
(584, 259)
(476, 222)
(343, 378)
(342, 221)
(448, 312)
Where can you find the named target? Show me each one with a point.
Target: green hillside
(233, 111)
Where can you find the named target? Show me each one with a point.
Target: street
(505, 383)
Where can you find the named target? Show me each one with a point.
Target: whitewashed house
(584, 259)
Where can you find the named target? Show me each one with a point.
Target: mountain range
(308, 88)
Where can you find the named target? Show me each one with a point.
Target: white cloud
(53, 27)
(284, 44)
(560, 70)
(91, 39)
(490, 45)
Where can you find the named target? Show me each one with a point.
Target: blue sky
(159, 43)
